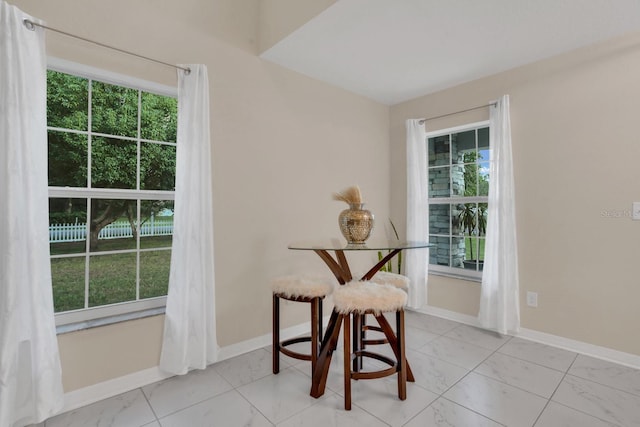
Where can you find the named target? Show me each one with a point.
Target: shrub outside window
(458, 183)
(112, 156)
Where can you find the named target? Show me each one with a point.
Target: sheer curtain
(190, 322)
(30, 373)
(417, 260)
(499, 300)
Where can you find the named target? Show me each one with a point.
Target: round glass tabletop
(334, 244)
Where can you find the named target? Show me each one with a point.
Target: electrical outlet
(532, 299)
(635, 211)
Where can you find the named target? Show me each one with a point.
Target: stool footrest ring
(295, 354)
(372, 341)
(368, 375)
(375, 342)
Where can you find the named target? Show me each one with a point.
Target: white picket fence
(116, 230)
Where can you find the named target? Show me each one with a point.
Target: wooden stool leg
(357, 341)
(402, 360)
(318, 343)
(319, 319)
(314, 333)
(347, 361)
(276, 334)
(382, 321)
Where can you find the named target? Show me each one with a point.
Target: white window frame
(117, 310)
(442, 270)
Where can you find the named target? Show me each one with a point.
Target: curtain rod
(491, 104)
(30, 25)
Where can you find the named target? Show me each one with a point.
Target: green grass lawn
(112, 277)
(469, 241)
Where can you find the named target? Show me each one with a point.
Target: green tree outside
(114, 112)
(473, 216)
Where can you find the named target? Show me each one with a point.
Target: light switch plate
(635, 211)
(532, 299)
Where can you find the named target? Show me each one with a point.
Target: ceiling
(395, 50)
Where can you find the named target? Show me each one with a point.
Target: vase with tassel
(356, 223)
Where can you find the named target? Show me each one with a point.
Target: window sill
(477, 279)
(109, 320)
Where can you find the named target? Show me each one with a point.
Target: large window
(112, 152)
(458, 192)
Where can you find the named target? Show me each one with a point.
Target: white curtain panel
(30, 373)
(499, 300)
(417, 260)
(190, 323)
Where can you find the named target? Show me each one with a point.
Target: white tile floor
(465, 377)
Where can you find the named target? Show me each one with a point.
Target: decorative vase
(355, 223)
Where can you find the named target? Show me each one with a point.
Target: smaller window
(458, 185)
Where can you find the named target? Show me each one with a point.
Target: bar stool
(399, 281)
(309, 289)
(382, 278)
(361, 298)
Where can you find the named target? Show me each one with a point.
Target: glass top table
(339, 265)
(337, 244)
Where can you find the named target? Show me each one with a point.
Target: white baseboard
(450, 315)
(604, 353)
(96, 392)
(599, 352)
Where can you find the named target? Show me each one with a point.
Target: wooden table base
(340, 268)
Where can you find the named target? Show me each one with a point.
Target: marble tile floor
(465, 377)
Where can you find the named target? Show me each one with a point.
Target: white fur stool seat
(299, 288)
(357, 299)
(394, 279)
(293, 286)
(368, 297)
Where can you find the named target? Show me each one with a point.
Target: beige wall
(282, 144)
(88, 356)
(575, 145)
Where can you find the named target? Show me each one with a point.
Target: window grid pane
(67, 101)
(68, 276)
(159, 116)
(112, 279)
(67, 165)
(113, 163)
(114, 109)
(154, 273)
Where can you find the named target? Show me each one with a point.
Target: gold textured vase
(355, 223)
